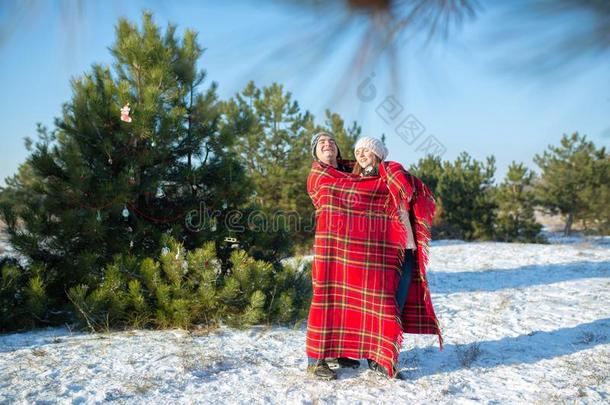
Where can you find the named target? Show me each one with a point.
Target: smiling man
(324, 148)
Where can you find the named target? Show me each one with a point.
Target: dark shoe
(321, 371)
(346, 362)
(373, 365)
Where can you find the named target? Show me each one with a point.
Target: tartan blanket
(358, 251)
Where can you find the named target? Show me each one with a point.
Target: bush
(23, 298)
(182, 289)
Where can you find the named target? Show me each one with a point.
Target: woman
(369, 153)
(359, 249)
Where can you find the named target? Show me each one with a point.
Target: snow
(522, 323)
(6, 250)
(576, 237)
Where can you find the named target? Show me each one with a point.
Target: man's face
(326, 149)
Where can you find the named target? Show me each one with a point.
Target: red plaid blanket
(359, 247)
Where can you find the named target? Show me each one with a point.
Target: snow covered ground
(522, 323)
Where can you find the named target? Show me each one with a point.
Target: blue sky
(451, 88)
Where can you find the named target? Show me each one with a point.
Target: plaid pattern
(359, 247)
(418, 315)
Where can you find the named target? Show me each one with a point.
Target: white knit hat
(374, 145)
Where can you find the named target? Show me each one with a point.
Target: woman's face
(326, 149)
(365, 157)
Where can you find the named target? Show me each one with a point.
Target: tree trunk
(568, 228)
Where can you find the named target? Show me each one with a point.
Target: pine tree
(429, 169)
(100, 184)
(465, 194)
(573, 181)
(516, 221)
(597, 195)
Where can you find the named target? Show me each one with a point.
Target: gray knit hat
(316, 138)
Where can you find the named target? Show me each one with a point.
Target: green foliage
(596, 218)
(430, 170)
(254, 313)
(575, 182)
(183, 288)
(292, 290)
(470, 206)
(464, 193)
(515, 197)
(24, 302)
(65, 205)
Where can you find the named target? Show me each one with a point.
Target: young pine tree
(573, 181)
(465, 191)
(105, 181)
(23, 297)
(597, 195)
(516, 221)
(430, 170)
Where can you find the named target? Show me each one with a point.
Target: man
(324, 149)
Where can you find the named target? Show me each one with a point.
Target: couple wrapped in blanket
(373, 223)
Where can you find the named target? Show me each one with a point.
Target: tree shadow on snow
(524, 349)
(525, 276)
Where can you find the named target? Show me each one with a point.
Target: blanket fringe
(399, 340)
